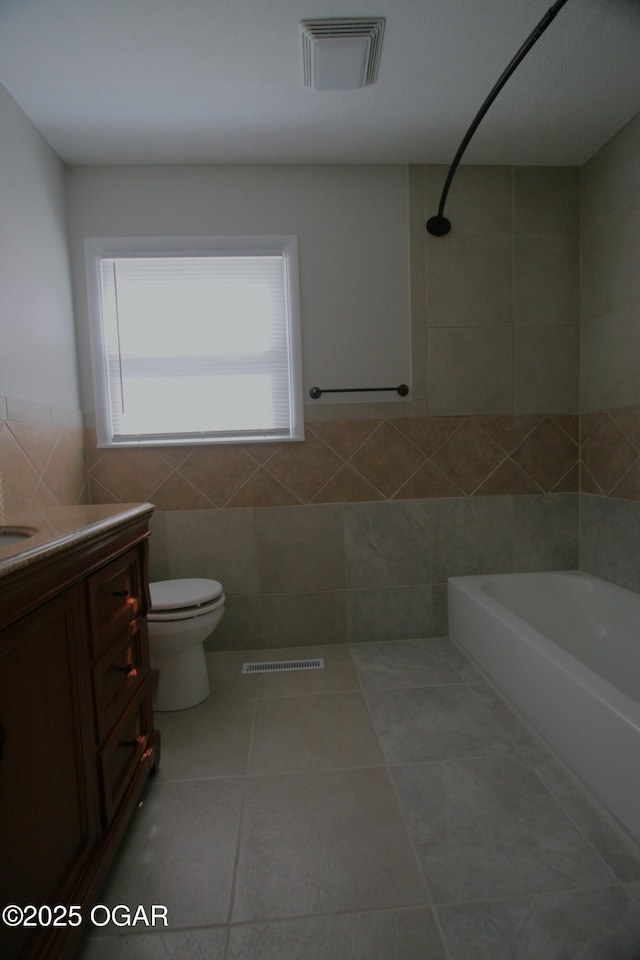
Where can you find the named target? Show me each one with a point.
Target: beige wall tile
(507, 478)
(628, 420)
(610, 275)
(129, 474)
(240, 627)
(469, 281)
(479, 202)
(347, 486)
(218, 470)
(428, 482)
(291, 620)
(546, 201)
(344, 436)
(610, 369)
(262, 490)
(427, 433)
(387, 459)
(607, 454)
(545, 370)
(19, 477)
(547, 454)
(629, 486)
(218, 544)
(610, 178)
(507, 432)
(176, 493)
(304, 468)
(610, 332)
(65, 472)
(301, 547)
(546, 281)
(470, 371)
(37, 441)
(40, 465)
(468, 457)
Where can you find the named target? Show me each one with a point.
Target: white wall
(37, 339)
(352, 228)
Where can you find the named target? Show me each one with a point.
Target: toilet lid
(178, 594)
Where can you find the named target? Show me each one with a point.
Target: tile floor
(388, 807)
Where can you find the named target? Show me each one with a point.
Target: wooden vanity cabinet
(47, 792)
(76, 724)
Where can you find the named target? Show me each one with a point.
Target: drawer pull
(129, 670)
(132, 743)
(121, 593)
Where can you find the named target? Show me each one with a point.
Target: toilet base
(182, 679)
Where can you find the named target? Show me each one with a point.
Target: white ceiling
(216, 81)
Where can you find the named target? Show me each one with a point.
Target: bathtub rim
(625, 707)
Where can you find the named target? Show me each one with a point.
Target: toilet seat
(184, 599)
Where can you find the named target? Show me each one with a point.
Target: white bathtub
(564, 648)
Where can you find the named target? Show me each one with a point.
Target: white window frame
(100, 248)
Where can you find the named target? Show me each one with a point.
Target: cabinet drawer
(115, 599)
(118, 674)
(123, 751)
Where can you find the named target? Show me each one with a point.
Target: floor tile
(308, 733)
(385, 935)
(316, 815)
(582, 925)
(209, 740)
(518, 732)
(616, 850)
(323, 842)
(462, 664)
(404, 663)
(487, 828)
(204, 944)
(434, 723)
(226, 679)
(180, 852)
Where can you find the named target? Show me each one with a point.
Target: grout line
(429, 898)
(234, 881)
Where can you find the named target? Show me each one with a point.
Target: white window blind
(198, 347)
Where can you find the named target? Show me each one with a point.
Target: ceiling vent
(341, 53)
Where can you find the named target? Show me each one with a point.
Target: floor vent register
(277, 666)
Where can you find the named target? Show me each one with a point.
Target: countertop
(60, 527)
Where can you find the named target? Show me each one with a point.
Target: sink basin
(10, 536)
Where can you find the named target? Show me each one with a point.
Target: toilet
(183, 614)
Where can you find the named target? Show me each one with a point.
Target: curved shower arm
(439, 225)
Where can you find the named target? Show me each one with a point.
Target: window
(195, 341)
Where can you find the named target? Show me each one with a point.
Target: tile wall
(502, 290)
(610, 360)
(351, 536)
(42, 457)
(343, 461)
(352, 572)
